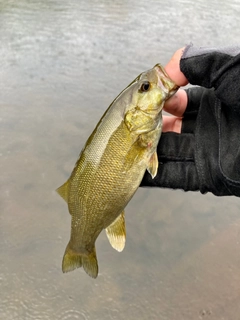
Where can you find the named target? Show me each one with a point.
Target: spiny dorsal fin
(152, 167)
(63, 191)
(116, 233)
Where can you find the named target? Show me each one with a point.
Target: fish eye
(145, 86)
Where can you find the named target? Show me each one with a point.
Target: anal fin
(116, 233)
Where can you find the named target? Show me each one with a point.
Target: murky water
(61, 64)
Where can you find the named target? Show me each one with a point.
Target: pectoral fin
(152, 167)
(63, 191)
(116, 233)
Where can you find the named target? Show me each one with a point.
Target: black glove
(206, 155)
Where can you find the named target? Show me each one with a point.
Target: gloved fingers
(212, 68)
(174, 175)
(185, 103)
(194, 98)
(175, 147)
(177, 168)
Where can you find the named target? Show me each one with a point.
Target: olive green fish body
(111, 166)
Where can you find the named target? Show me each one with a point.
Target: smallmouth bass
(111, 166)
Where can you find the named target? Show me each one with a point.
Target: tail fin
(73, 260)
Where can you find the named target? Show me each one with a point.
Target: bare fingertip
(172, 124)
(178, 125)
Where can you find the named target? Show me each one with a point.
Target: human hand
(200, 145)
(177, 104)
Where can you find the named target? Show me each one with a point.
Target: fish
(111, 166)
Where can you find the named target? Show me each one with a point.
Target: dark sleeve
(217, 68)
(217, 133)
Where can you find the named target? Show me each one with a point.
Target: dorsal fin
(63, 191)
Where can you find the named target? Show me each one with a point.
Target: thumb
(173, 69)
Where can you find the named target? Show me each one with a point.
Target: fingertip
(172, 124)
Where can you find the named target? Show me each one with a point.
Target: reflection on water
(61, 65)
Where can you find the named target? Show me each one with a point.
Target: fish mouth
(164, 82)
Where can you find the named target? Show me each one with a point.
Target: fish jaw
(164, 82)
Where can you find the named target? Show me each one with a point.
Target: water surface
(62, 63)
